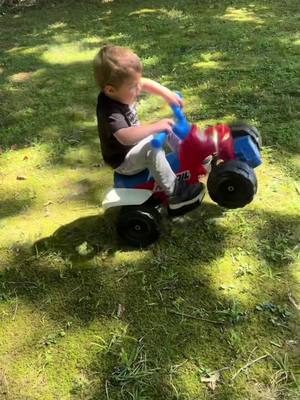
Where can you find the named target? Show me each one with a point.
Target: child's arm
(150, 86)
(133, 134)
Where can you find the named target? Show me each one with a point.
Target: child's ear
(109, 90)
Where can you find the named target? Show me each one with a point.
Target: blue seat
(131, 181)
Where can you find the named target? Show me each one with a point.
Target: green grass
(83, 317)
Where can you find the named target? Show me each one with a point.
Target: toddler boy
(125, 144)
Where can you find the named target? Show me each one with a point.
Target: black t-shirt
(112, 116)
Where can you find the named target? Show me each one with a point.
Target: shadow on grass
(83, 251)
(168, 297)
(11, 207)
(86, 237)
(278, 240)
(76, 274)
(231, 66)
(82, 239)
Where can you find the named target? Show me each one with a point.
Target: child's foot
(186, 195)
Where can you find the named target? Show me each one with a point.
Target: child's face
(128, 92)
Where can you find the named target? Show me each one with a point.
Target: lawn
(211, 311)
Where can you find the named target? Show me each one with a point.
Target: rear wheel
(139, 226)
(247, 130)
(232, 184)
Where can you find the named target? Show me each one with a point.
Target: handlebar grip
(178, 113)
(182, 127)
(159, 140)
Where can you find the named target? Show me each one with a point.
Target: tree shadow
(159, 292)
(78, 260)
(86, 237)
(77, 267)
(82, 239)
(13, 206)
(278, 239)
(235, 85)
(82, 288)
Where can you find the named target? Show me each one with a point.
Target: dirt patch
(78, 190)
(21, 77)
(3, 384)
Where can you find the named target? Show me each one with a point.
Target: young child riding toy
(145, 179)
(125, 144)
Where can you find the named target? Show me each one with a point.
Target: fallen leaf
(211, 380)
(25, 158)
(21, 178)
(48, 203)
(291, 342)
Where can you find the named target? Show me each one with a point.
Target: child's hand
(153, 87)
(173, 98)
(165, 124)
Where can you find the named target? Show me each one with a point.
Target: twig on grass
(249, 365)
(16, 309)
(22, 282)
(252, 351)
(123, 276)
(276, 344)
(293, 301)
(106, 390)
(297, 188)
(194, 317)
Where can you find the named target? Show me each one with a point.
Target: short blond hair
(113, 65)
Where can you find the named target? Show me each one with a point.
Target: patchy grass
(208, 312)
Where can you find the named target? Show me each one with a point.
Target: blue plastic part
(246, 150)
(132, 181)
(159, 140)
(173, 161)
(181, 128)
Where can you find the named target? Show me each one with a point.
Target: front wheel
(139, 226)
(232, 184)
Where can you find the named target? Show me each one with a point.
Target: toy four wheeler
(228, 155)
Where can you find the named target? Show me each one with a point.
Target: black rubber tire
(232, 184)
(139, 226)
(239, 130)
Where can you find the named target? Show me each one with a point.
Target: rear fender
(125, 197)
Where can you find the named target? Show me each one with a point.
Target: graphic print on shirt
(131, 115)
